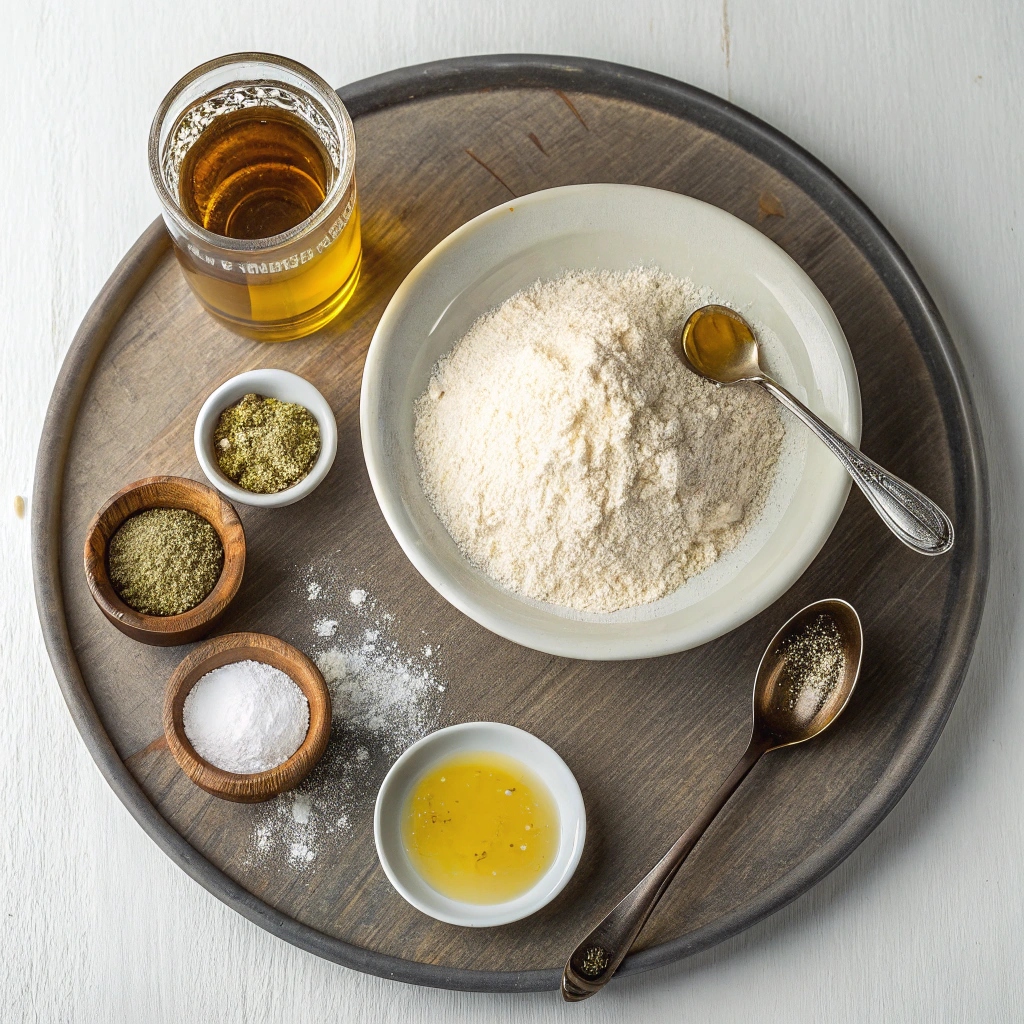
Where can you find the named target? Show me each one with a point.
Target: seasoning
(246, 717)
(164, 561)
(266, 445)
(813, 663)
(594, 961)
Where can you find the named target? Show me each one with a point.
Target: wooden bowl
(222, 650)
(165, 492)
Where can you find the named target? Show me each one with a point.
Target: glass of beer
(253, 158)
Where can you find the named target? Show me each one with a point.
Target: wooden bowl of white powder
(257, 708)
(548, 464)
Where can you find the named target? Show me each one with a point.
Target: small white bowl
(466, 738)
(286, 387)
(613, 227)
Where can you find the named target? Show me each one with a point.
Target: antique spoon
(719, 345)
(783, 715)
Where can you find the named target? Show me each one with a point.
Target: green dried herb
(266, 445)
(164, 561)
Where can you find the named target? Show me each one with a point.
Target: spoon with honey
(719, 345)
(803, 682)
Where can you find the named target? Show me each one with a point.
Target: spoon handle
(598, 956)
(912, 516)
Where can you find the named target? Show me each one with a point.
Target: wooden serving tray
(649, 740)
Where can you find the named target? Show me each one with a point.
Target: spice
(164, 561)
(812, 662)
(594, 961)
(266, 445)
(246, 717)
(572, 456)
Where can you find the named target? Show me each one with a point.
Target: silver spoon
(784, 714)
(719, 345)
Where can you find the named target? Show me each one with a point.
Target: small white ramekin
(492, 737)
(286, 387)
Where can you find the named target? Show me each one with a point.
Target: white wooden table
(917, 106)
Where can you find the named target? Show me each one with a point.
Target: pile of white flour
(573, 457)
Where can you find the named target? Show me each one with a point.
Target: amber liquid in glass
(252, 174)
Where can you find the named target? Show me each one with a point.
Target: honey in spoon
(720, 345)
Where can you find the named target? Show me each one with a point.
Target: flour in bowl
(572, 456)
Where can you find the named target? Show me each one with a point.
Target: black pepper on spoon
(719, 345)
(804, 681)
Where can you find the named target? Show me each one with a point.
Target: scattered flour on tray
(382, 700)
(573, 457)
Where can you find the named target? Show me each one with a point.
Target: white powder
(573, 457)
(375, 688)
(246, 717)
(300, 853)
(383, 698)
(301, 806)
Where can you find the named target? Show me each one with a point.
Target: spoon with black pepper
(804, 680)
(719, 345)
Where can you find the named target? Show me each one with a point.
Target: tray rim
(972, 514)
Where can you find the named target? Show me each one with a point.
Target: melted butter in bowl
(480, 827)
(479, 824)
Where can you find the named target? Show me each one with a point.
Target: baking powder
(246, 717)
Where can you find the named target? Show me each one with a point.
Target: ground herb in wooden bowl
(164, 561)
(266, 445)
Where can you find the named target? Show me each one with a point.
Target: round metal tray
(647, 740)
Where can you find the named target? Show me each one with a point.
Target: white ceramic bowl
(613, 227)
(286, 387)
(457, 739)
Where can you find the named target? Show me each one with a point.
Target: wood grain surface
(648, 741)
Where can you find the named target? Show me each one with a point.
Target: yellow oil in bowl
(480, 827)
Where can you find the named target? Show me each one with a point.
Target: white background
(916, 105)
